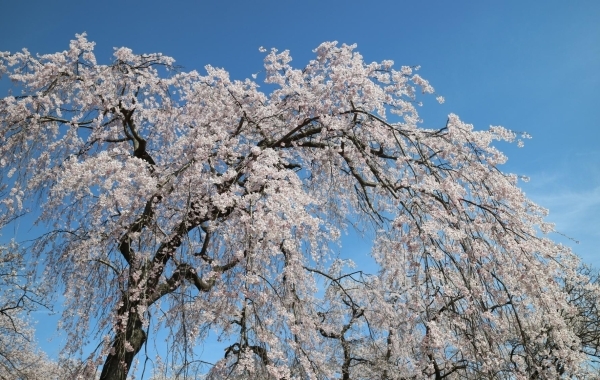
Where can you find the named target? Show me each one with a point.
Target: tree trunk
(118, 364)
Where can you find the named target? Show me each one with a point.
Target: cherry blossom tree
(17, 351)
(198, 203)
(20, 357)
(584, 294)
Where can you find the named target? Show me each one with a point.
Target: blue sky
(530, 66)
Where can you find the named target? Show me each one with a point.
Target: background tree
(197, 202)
(584, 294)
(20, 357)
(17, 353)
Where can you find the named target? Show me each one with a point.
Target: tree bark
(118, 363)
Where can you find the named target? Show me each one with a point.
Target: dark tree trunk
(117, 365)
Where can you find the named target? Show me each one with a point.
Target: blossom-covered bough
(198, 203)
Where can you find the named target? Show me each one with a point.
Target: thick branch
(187, 272)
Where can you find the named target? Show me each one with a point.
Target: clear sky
(531, 66)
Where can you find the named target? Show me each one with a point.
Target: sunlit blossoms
(197, 203)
